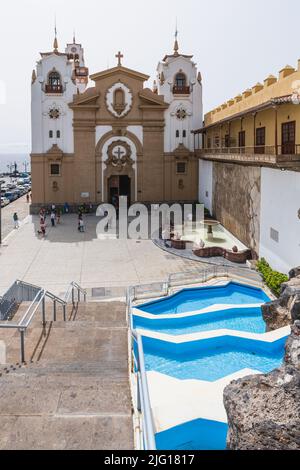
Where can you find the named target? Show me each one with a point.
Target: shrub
(273, 279)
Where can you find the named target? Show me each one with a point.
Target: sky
(235, 43)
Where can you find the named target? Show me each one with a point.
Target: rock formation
(286, 310)
(264, 411)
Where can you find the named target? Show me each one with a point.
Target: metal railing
(143, 396)
(73, 288)
(163, 289)
(195, 276)
(24, 292)
(279, 150)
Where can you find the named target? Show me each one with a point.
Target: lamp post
(0, 215)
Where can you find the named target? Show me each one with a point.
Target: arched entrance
(118, 186)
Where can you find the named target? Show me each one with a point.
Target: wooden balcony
(54, 89)
(181, 90)
(284, 157)
(81, 72)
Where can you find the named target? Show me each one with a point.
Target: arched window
(180, 86)
(180, 80)
(54, 84)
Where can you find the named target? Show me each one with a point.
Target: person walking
(58, 215)
(16, 220)
(81, 225)
(27, 198)
(66, 208)
(42, 230)
(53, 216)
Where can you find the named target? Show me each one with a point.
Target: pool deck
(175, 401)
(269, 337)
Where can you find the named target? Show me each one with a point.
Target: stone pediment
(88, 99)
(149, 98)
(55, 153)
(117, 70)
(181, 152)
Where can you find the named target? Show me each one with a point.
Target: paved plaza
(66, 255)
(21, 207)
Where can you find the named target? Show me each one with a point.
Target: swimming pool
(213, 358)
(200, 434)
(239, 319)
(191, 300)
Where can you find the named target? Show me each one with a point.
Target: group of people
(55, 218)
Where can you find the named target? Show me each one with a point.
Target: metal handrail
(40, 299)
(71, 292)
(144, 403)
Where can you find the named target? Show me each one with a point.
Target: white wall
(206, 183)
(192, 103)
(280, 203)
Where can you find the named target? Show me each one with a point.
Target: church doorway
(119, 186)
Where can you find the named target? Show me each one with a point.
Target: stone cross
(119, 56)
(120, 153)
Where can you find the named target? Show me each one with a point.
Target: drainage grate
(100, 292)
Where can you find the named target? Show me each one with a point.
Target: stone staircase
(73, 393)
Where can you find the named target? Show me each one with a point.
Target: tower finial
(74, 37)
(55, 44)
(176, 46)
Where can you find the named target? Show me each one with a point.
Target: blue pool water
(191, 300)
(212, 359)
(195, 435)
(242, 319)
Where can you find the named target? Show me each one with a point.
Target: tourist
(81, 225)
(66, 208)
(27, 198)
(42, 230)
(16, 220)
(53, 216)
(58, 215)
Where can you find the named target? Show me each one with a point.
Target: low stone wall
(236, 257)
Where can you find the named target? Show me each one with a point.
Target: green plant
(272, 278)
(207, 213)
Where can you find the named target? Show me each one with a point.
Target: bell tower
(57, 78)
(181, 84)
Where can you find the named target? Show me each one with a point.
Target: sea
(7, 162)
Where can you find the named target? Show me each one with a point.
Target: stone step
(74, 391)
(91, 431)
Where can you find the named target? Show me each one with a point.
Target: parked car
(11, 196)
(4, 201)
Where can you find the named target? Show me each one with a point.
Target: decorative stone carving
(116, 108)
(54, 113)
(119, 155)
(181, 114)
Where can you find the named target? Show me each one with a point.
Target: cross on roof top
(119, 56)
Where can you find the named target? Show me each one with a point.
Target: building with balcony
(249, 159)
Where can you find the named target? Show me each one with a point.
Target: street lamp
(0, 215)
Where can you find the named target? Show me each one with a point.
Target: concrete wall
(236, 201)
(280, 203)
(206, 184)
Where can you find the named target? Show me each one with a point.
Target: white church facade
(115, 137)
